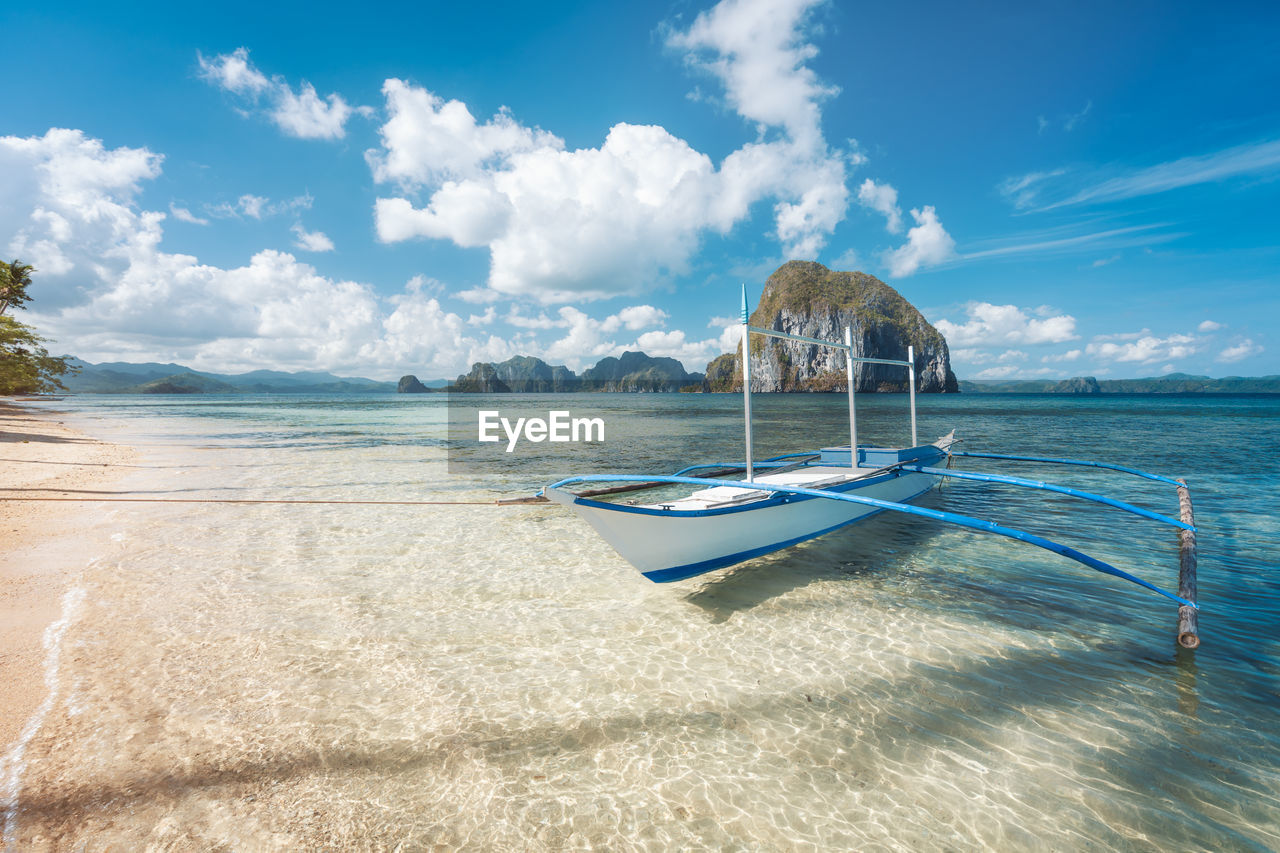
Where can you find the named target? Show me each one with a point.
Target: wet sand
(40, 456)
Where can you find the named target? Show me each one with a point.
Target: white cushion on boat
(725, 496)
(806, 479)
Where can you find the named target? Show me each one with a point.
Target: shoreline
(40, 455)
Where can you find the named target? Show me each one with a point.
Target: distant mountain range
(154, 378)
(1171, 383)
(633, 371)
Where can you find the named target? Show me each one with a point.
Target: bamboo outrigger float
(801, 496)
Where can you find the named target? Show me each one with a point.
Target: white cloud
(1102, 262)
(107, 291)
(1245, 349)
(490, 314)
(478, 295)
(928, 244)
(1037, 190)
(251, 205)
(1022, 191)
(234, 72)
(303, 114)
(755, 48)
(1063, 241)
(1210, 326)
(428, 140)
(1010, 371)
(1146, 349)
(307, 116)
(587, 339)
(621, 218)
(185, 215)
(1069, 355)
(1123, 336)
(1003, 372)
(883, 199)
(846, 260)
(311, 241)
(259, 207)
(1069, 122)
(641, 316)
(996, 325)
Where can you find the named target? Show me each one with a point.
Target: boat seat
(805, 480)
(722, 496)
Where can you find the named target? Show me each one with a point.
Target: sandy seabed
(41, 457)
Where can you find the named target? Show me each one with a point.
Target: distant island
(1170, 383)
(800, 298)
(805, 298)
(634, 372)
(155, 378)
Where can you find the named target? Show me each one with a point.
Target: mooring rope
(494, 502)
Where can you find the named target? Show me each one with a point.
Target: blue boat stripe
(1084, 462)
(679, 573)
(937, 515)
(1048, 487)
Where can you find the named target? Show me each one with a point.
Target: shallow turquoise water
(497, 678)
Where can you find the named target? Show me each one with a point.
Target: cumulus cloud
(756, 49)
(1004, 325)
(883, 199)
(928, 244)
(587, 339)
(1244, 349)
(428, 140)
(641, 317)
(1146, 349)
(108, 292)
(303, 113)
(311, 241)
(1210, 326)
(592, 223)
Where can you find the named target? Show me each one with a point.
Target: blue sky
(1076, 189)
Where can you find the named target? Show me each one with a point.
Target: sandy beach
(40, 456)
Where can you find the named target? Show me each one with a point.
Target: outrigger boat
(789, 499)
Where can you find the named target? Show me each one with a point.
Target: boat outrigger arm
(772, 494)
(892, 506)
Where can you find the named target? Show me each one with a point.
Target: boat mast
(851, 359)
(911, 387)
(746, 381)
(853, 414)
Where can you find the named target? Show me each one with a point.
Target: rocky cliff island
(632, 372)
(806, 298)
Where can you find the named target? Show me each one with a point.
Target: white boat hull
(671, 544)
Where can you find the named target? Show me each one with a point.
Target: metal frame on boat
(801, 496)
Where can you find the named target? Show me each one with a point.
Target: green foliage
(809, 288)
(25, 366)
(721, 376)
(15, 278)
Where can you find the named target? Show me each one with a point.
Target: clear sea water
(257, 677)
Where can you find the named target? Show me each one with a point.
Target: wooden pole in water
(1188, 630)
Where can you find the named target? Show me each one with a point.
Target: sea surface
(483, 677)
